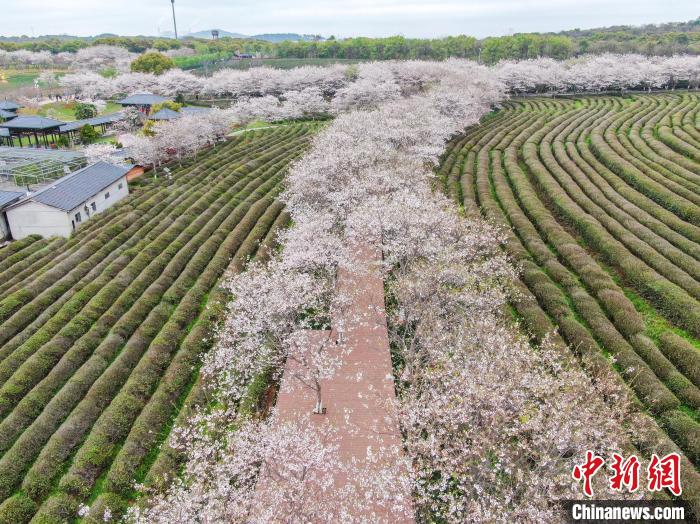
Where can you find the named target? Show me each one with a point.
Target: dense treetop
(654, 39)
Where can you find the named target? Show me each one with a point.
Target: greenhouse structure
(23, 166)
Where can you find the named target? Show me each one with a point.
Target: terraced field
(601, 196)
(100, 334)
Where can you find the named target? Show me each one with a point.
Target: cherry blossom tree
(99, 152)
(491, 424)
(146, 151)
(273, 471)
(131, 120)
(594, 73)
(99, 57)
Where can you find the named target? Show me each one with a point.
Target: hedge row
(169, 459)
(203, 227)
(657, 152)
(673, 300)
(643, 211)
(20, 320)
(682, 354)
(125, 340)
(645, 243)
(680, 141)
(591, 231)
(81, 322)
(101, 445)
(652, 392)
(104, 219)
(667, 193)
(552, 292)
(141, 358)
(16, 247)
(635, 134)
(153, 423)
(626, 316)
(121, 294)
(63, 310)
(137, 309)
(11, 260)
(29, 265)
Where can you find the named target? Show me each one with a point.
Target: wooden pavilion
(9, 105)
(142, 101)
(39, 127)
(8, 110)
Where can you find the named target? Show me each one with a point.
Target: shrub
(88, 134)
(682, 354)
(152, 62)
(84, 111)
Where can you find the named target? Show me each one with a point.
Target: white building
(58, 209)
(7, 198)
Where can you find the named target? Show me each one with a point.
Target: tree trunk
(318, 410)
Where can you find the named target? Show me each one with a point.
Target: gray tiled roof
(6, 197)
(7, 114)
(9, 105)
(32, 122)
(165, 114)
(142, 99)
(72, 190)
(98, 120)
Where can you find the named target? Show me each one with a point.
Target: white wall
(34, 218)
(4, 233)
(102, 203)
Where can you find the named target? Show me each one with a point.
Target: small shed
(142, 101)
(7, 198)
(60, 208)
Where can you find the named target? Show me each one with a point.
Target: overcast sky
(411, 18)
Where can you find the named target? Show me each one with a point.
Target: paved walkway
(356, 397)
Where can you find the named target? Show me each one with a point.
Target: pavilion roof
(142, 99)
(9, 105)
(32, 123)
(165, 114)
(7, 114)
(98, 120)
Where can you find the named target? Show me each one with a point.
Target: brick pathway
(356, 397)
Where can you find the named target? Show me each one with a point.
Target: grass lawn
(13, 79)
(64, 110)
(106, 140)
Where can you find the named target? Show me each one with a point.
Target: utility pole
(174, 21)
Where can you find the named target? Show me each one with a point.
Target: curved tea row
(601, 199)
(100, 334)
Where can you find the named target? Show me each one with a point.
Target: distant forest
(654, 39)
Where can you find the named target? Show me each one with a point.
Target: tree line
(664, 39)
